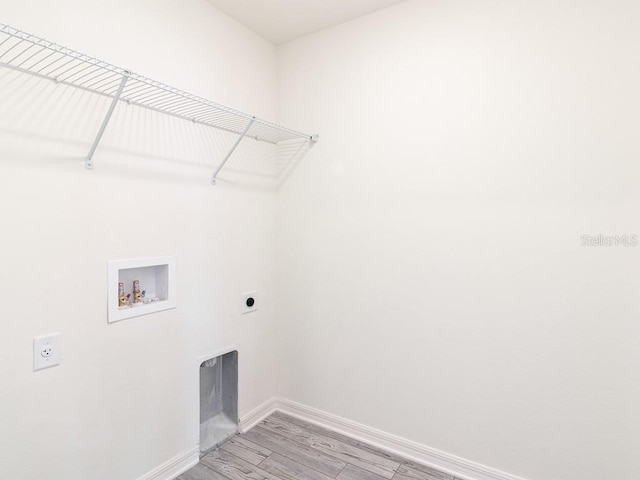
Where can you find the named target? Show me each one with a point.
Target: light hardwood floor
(285, 448)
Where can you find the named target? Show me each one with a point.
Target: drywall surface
(125, 398)
(432, 279)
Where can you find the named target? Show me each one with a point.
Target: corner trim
(175, 466)
(258, 414)
(458, 467)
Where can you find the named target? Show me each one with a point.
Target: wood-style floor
(285, 448)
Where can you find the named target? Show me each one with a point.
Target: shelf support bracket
(233, 148)
(88, 163)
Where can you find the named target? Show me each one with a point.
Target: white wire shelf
(36, 56)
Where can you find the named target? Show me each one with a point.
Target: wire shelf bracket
(26, 53)
(233, 148)
(88, 163)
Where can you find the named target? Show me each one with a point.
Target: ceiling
(280, 21)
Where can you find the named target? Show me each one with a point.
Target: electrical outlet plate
(46, 351)
(249, 302)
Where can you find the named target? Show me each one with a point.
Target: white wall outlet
(249, 302)
(46, 351)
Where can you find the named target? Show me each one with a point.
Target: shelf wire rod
(109, 86)
(106, 86)
(97, 77)
(274, 137)
(138, 82)
(280, 128)
(72, 60)
(39, 61)
(233, 148)
(99, 85)
(191, 111)
(235, 128)
(21, 53)
(51, 64)
(152, 105)
(11, 48)
(143, 96)
(133, 90)
(222, 118)
(186, 104)
(74, 70)
(221, 114)
(159, 89)
(150, 97)
(139, 91)
(5, 41)
(172, 103)
(89, 67)
(232, 127)
(191, 108)
(82, 67)
(34, 54)
(285, 137)
(105, 122)
(178, 103)
(162, 103)
(135, 86)
(169, 98)
(255, 134)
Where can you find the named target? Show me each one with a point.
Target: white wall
(432, 282)
(125, 398)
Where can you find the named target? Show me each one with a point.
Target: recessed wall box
(139, 286)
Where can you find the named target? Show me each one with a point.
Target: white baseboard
(258, 414)
(445, 462)
(175, 466)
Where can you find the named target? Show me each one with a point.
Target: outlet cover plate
(249, 302)
(46, 351)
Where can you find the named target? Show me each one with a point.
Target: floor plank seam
(308, 466)
(343, 468)
(209, 468)
(297, 460)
